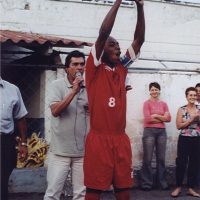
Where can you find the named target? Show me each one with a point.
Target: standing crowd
(88, 121)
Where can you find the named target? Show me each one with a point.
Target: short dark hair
(154, 84)
(76, 54)
(197, 85)
(190, 89)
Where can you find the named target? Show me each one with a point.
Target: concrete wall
(28, 180)
(172, 30)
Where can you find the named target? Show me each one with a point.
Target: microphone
(78, 74)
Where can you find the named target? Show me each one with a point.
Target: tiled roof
(40, 39)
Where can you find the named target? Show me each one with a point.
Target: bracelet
(24, 144)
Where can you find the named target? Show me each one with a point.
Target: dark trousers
(187, 155)
(198, 177)
(8, 162)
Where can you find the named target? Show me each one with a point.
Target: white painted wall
(172, 33)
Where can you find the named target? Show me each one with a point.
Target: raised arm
(106, 28)
(139, 34)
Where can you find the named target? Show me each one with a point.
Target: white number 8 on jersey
(111, 102)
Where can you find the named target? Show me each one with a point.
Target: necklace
(192, 110)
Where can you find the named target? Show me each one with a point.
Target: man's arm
(58, 107)
(139, 34)
(22, 128)
(106, 28)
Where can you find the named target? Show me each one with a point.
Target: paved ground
(136, 194)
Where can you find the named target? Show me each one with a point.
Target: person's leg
(148, 148)
(181, 160)
(8, 162)
(161, 142)
(77, 179)
(122, 179)
(58, 168)
(181, 163)
(193, 166)
(122, 193)
(92, 194)
(192, 163)
(198, 171)
(98, 161)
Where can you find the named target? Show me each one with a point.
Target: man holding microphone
(69, 117)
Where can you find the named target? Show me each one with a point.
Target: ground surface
(136, 194)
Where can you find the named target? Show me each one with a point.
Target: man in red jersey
(108, 152)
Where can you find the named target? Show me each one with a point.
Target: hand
(76, 84)
(139, 2)
(195, 118)
(23, 152)
(128, 87)
(166, 115)
(154, 116)
(118, 2)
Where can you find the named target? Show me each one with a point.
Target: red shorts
(108, 160)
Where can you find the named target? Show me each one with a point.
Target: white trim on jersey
(132, 53)
(130, 50)
(93, 51)
(127, 60)
(109, 68)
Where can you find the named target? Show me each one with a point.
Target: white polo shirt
(70, 128)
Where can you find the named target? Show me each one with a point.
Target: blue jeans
(153, 138)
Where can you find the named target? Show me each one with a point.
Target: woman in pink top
(156, 113)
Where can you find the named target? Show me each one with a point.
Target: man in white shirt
(12, 110)
(68, 103)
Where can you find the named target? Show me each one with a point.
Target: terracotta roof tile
(29, 38)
